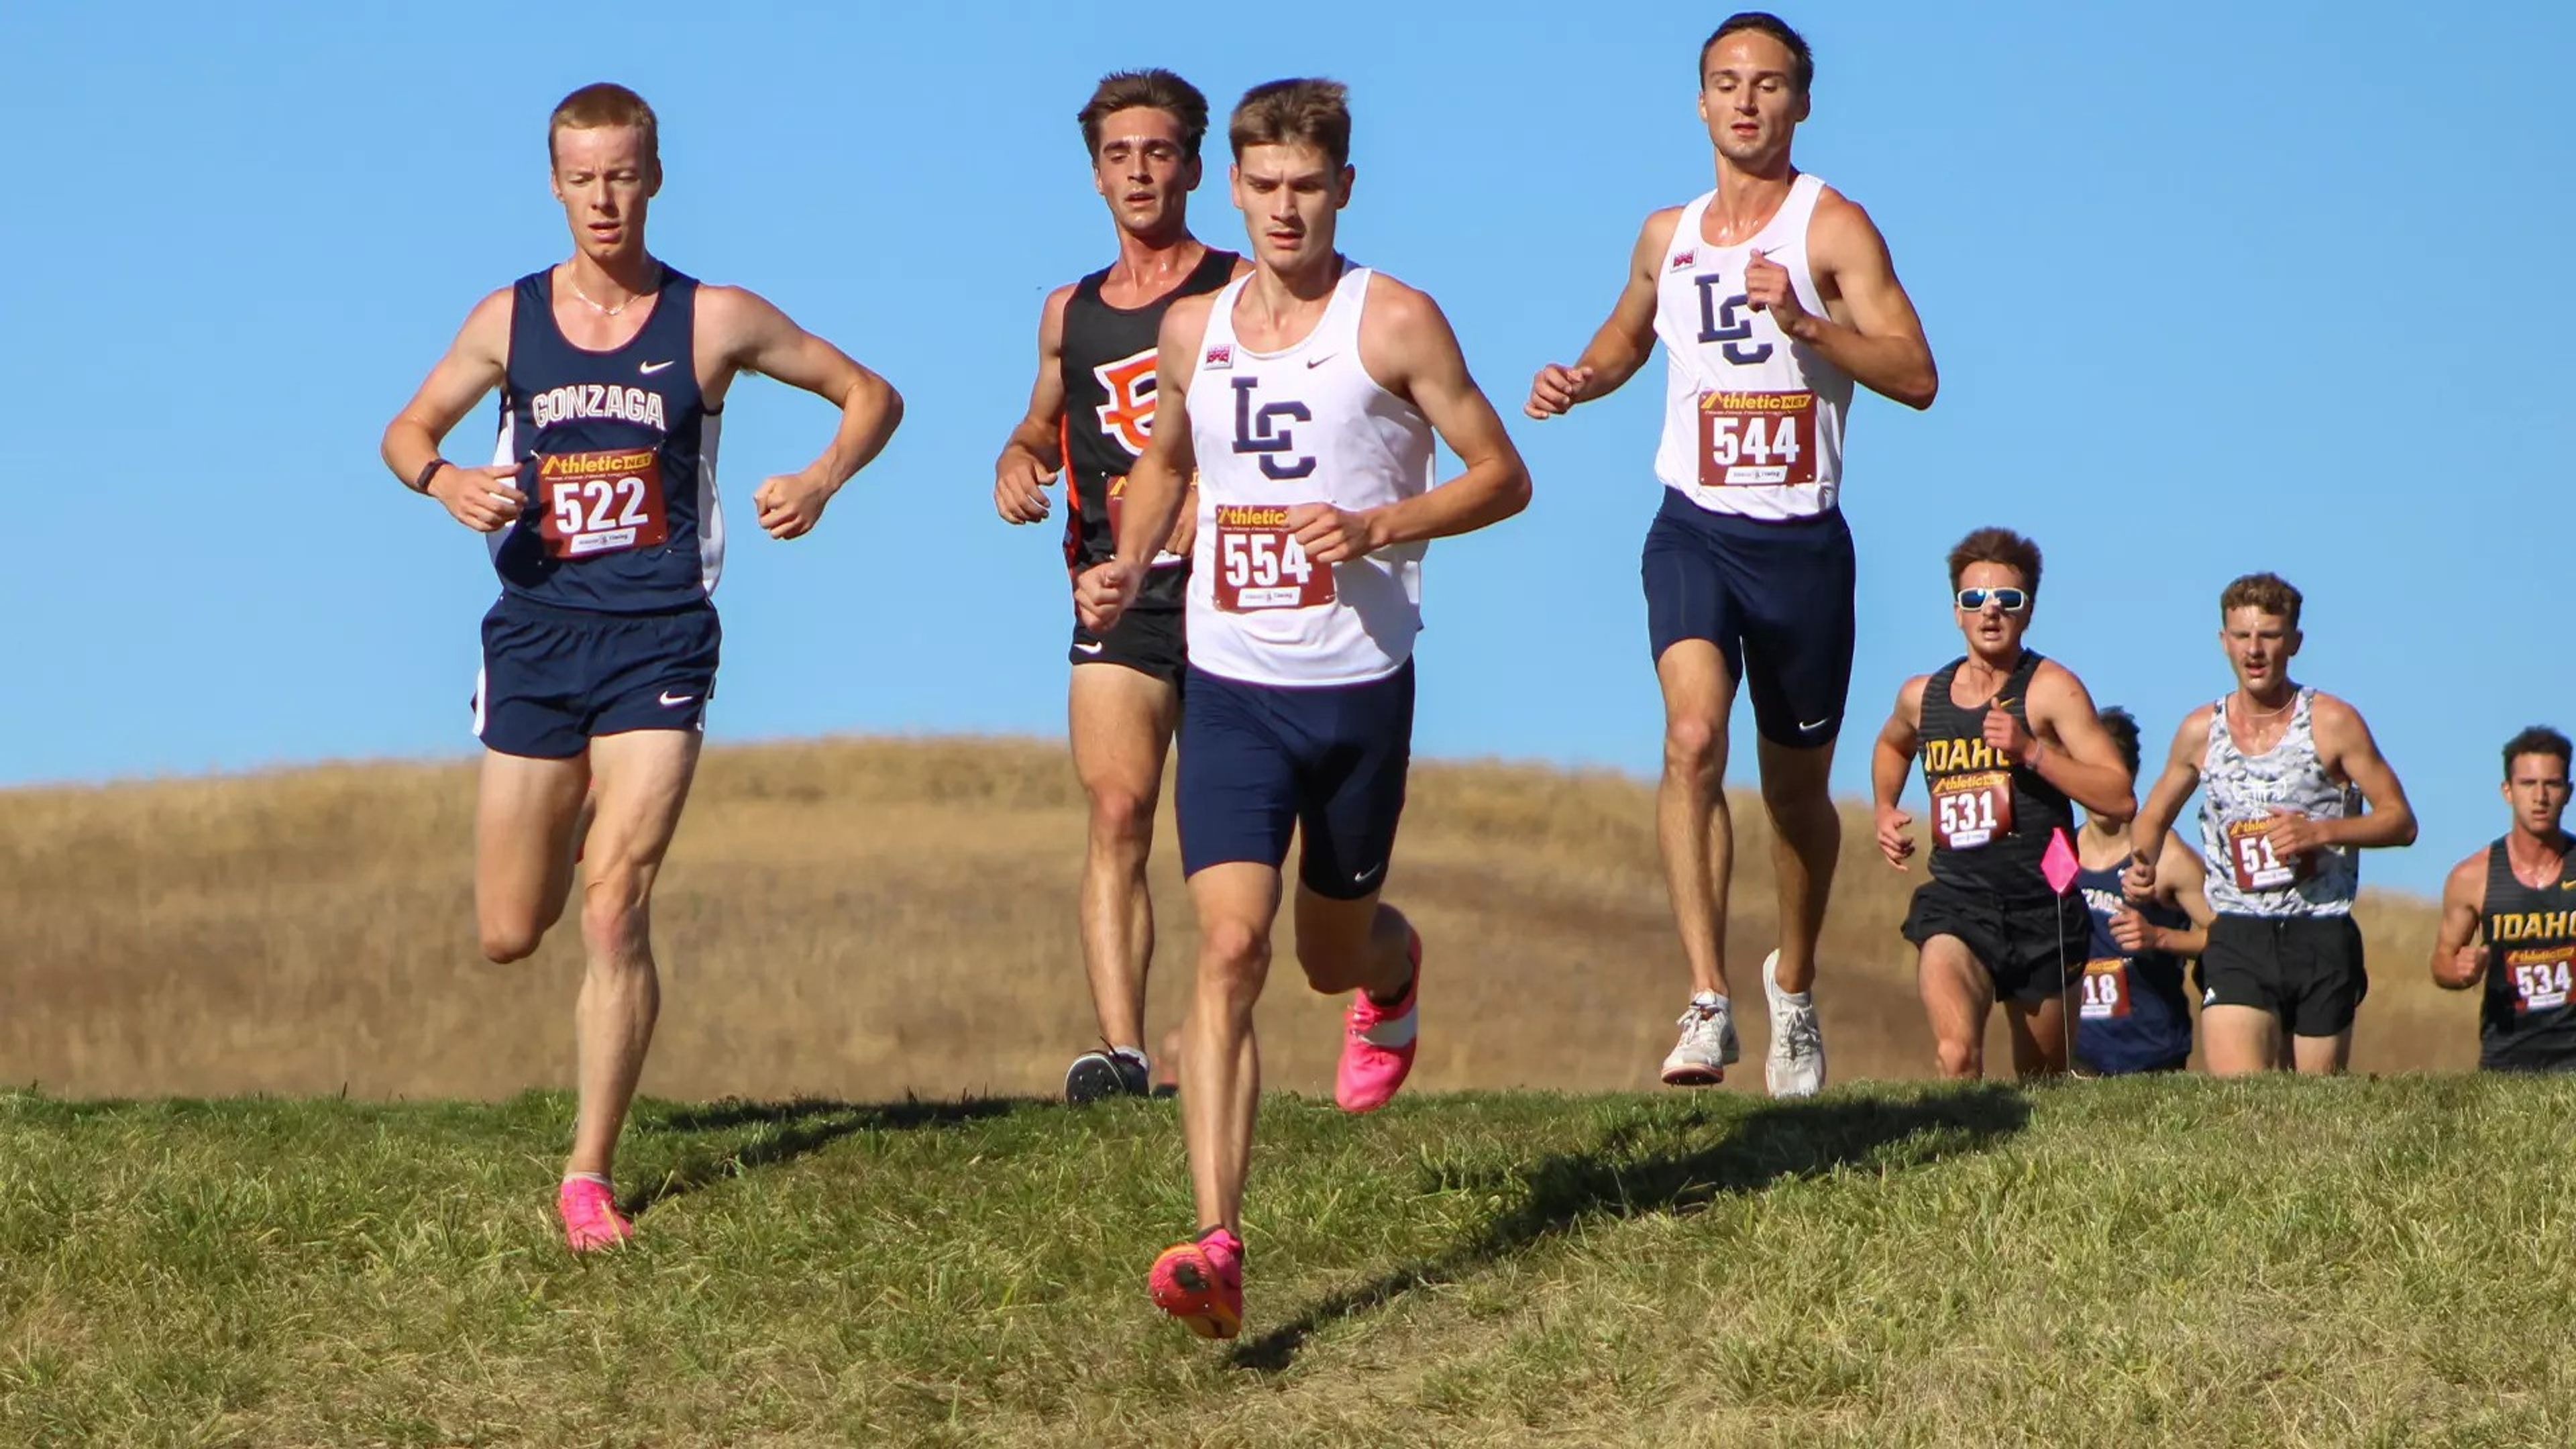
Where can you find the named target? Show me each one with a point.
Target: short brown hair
(1149, 90)
(606, 103)
(1802, 61)
(2537, 740)
(2269, 593)
(1997, 546)
(1316, 113)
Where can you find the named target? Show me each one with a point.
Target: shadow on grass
(790, 1130)
(1630, 1173)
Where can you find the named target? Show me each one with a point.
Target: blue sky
(2278, 292)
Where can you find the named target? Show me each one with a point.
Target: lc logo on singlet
(1719, 322)
(1259, 432)
(1128, 416)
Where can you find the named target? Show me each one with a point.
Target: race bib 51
(601, 502)
(1753, 438)
(1971, 810)
(1260, 565)
(2256, 865)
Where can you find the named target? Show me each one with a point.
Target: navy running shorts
(1150, 641)
(1260, 760)
(1776, 600)
(553, 678)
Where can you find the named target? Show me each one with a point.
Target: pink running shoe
(589, 1213)
(1201, 1284)
(1377, 1055)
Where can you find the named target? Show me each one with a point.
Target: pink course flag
(2059, 864)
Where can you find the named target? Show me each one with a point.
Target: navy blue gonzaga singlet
(617, 454)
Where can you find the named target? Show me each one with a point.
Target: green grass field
(2277, 1262)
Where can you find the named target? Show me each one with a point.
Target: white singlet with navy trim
(1306, 424)
(1753, 422)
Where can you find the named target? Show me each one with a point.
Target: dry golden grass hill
(866, 918)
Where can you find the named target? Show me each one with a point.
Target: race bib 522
(601, 502)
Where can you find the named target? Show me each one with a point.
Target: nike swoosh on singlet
(674, 701)
(650, 368)
(1315, 362)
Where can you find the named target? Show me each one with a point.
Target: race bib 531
(1971, 810)
(601, 502)
(1753, 438)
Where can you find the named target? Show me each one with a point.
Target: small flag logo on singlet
(1220, 355)
(1684, 259)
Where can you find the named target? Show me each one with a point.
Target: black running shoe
(1104, 1073)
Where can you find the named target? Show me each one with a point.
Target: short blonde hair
(606, 103)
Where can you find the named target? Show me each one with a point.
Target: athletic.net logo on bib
(1751, 439)
(1971, 810)
(606, 501)
(1260, 564)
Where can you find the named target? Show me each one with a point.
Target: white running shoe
(1796, 1067)
(1707, 1045)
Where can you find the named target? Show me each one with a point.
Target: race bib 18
(2106, 989)
(2256, 866)
(601, 502)
(1753, 438)
(1260, 565)
(1971, 810)
(2540, 979)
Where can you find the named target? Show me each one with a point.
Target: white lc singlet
(1306, 424)
(1753, 422)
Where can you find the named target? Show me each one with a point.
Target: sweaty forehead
(2247, 617)
(1749, 53)
(1140, 123)
(1284, 161)
(1990, 575)
(599, 148)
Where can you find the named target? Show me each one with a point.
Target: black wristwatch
(421, 483)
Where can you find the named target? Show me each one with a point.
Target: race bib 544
(1753, 438)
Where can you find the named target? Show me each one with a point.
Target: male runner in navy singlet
(1773, 294)
(2516, 901)
(600, 507)
(1090, 414)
